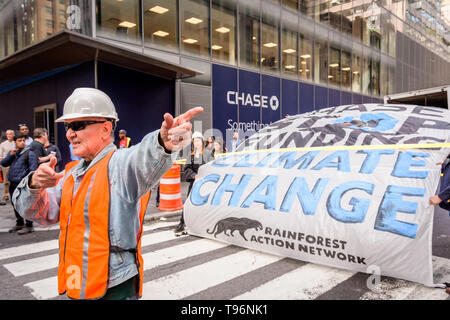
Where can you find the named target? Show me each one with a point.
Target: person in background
(24, 130)
(234, 142)
(209, 147)
(37, 146)
(21, 162)
(443, 197)
(5, 147)
(72, 156)
(51, 149)
(124, 141)
(191, 170)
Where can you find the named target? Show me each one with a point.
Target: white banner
(332, 187)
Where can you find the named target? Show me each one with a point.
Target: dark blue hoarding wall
(140, 99)
(246, 101)
(16, 105)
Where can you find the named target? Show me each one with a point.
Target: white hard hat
(88, 102)
(197, 134)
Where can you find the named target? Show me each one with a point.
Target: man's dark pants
(19, 219)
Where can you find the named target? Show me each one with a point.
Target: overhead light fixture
(193, 20)
(158, 9)
(334, 65)
(270, 44)
(306, 70)
(303, 62)
(216, 47)
(223, 30)
(262, 59)
(346, 69)
(190, 41)
(289, 51)
(160, 33)
(330, 77)
(355, 72)
(253, 38)
(305, 56)
(289, 66)
(127, 24)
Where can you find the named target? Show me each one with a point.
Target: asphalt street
(194, 268)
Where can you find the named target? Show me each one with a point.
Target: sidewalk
(8, 219)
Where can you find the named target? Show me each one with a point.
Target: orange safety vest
(84, 245)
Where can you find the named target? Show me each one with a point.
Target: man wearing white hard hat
(100, 201)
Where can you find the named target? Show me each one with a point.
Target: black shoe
(2, 203)
(25, 230)
(180, 228)
(15, 229)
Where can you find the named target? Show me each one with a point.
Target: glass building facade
(368, 47)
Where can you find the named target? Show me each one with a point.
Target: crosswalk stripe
(305, 283)
(28, 249)
(178, 252)
(189, 281)
(396, 289)
(28, 266)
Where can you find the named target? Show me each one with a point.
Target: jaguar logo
(233, 224)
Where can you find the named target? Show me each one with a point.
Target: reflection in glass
(292, 4)
(375, 76)
(249, 39)
(320, 61)
(194, 23)
(269, 37)
(346, 70)
(356, 73)
(289, 51)
(307, 8)
(347, 17)
(367, 75)
(223, 31)
(305, 57)
(119, 20)
(160, 24)
(334, 14)
(334, 72)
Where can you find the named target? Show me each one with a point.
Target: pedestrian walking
(21, 161)
(197, 159)
(5, 147)
(100, 201)
(124, 141)
(24, 130)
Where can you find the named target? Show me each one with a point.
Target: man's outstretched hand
(176, 133)
(45, 176)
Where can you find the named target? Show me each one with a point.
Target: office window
(119, 20)
(269, 37)
(346, 70)
(289, 51)
(334, 14)
(223, 21)
(367, 75)
(320, 61)
(334, 70)
(249, 38)
(321, 13)
(384, 79)
(305, 57)
(347, 17)
(356, 73)
(375, 76)
(292, 4)
(307, 7)
(160, 24)
(195, 27)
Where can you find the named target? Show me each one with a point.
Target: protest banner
(346, 187)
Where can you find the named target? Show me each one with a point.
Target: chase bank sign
(252, 100)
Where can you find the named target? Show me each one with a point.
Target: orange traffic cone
(170, 190)
(1, 175)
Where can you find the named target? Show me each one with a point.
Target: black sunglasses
(80, 125)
